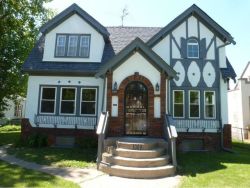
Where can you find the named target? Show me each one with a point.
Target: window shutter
(203, 51)
(183, 47)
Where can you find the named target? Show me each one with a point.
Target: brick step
(135, 162)
(139, 154)
(140, 173)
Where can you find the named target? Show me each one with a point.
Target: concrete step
(132, 162)
(139, 154)
(140, 173)
(137, 145)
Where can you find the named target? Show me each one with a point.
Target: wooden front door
(136, 108)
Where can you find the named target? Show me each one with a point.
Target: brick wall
(52, 133)
(155, 125)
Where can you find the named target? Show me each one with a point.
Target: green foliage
(19, 23)
(86, 143)
(37, 140)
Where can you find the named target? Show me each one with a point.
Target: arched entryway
(136, 108)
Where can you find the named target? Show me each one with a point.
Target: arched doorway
(136, 108)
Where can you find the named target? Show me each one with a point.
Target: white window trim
(57, 41)
(80, 45)
(213, 104)
(178, 103)
(41, 93)
(77, 40)
(88, 101)
(191, 43)
(189, 104)
(73, 114)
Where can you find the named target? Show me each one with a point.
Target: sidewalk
(90, 177)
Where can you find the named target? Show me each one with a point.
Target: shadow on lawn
(191, 163)
(13, 176)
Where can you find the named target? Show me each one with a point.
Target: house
(79, 68)
(239, 105)
(14, 111)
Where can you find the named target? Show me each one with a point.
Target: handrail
(170, 134)
(101, 131)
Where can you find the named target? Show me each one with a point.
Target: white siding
(35, 81)
(76, 25)
(223, 102)
(136, 63)
(163, 49)
(192, 27)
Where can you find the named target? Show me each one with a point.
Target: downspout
(221, 126)
(103, 93)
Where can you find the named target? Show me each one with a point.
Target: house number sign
(137, 146)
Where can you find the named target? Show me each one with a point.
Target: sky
(232, 15)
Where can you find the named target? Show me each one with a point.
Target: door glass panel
(136, 102)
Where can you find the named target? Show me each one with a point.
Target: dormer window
(72, 45)
(192, 48)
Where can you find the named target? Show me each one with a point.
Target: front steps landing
(136, 157)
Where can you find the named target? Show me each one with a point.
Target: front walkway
(90, 177)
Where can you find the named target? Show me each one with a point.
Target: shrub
(86, 143)
(37, 140)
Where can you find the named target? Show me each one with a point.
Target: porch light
(157, 87)
(115, 86)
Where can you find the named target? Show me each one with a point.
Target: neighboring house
(15, 108)
(79, 68)
(239, 105)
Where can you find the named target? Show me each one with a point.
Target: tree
(19, 23)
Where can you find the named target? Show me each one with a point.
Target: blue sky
(232, 15)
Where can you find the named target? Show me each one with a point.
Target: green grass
(9, 134)
(216, 169)
(61, 157)
(14, 176)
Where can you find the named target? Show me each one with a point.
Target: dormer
(74, 36)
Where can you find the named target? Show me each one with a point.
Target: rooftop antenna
(124, 14)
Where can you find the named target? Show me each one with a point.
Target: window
(68, 100)
(88, 101)
(192, 48)
(72, 45)
(84, 46)
(178, 106)
(60, 45)
(209, 104)
(48, 100)
(194, 104)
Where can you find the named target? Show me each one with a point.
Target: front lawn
(14, 176)
(61, 157)
(9, 134)
(216, 169)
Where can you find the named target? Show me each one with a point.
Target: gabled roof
(228, 72)
(245, 70)
(202, 16)
(74, 9)
(143, 49)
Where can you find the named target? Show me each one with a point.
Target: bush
(4, 121)
(37, 140)
(86, 143)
